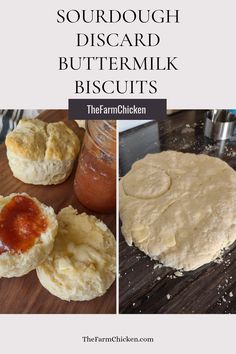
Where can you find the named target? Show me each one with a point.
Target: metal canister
(219, 124)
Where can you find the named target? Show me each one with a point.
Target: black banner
(122, 109)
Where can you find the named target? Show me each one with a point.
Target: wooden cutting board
(25, 294)
(143, 286)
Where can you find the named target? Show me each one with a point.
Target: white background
(32, 41)
(173, 334)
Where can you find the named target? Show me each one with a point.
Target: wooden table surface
(25, 294)
(143, 286)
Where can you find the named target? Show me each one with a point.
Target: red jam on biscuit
(21, 224)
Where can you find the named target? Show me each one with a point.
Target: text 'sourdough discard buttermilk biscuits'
(83, 261)
(179, 208)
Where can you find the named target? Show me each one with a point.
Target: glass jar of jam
(95, 179)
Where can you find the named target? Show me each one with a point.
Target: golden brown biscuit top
(36, 140)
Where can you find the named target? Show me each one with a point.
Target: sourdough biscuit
(82, 263)
(17, 255)
(41, 153)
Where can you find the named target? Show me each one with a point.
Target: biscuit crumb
(157, 265)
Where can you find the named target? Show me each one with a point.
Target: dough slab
(179, 208)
